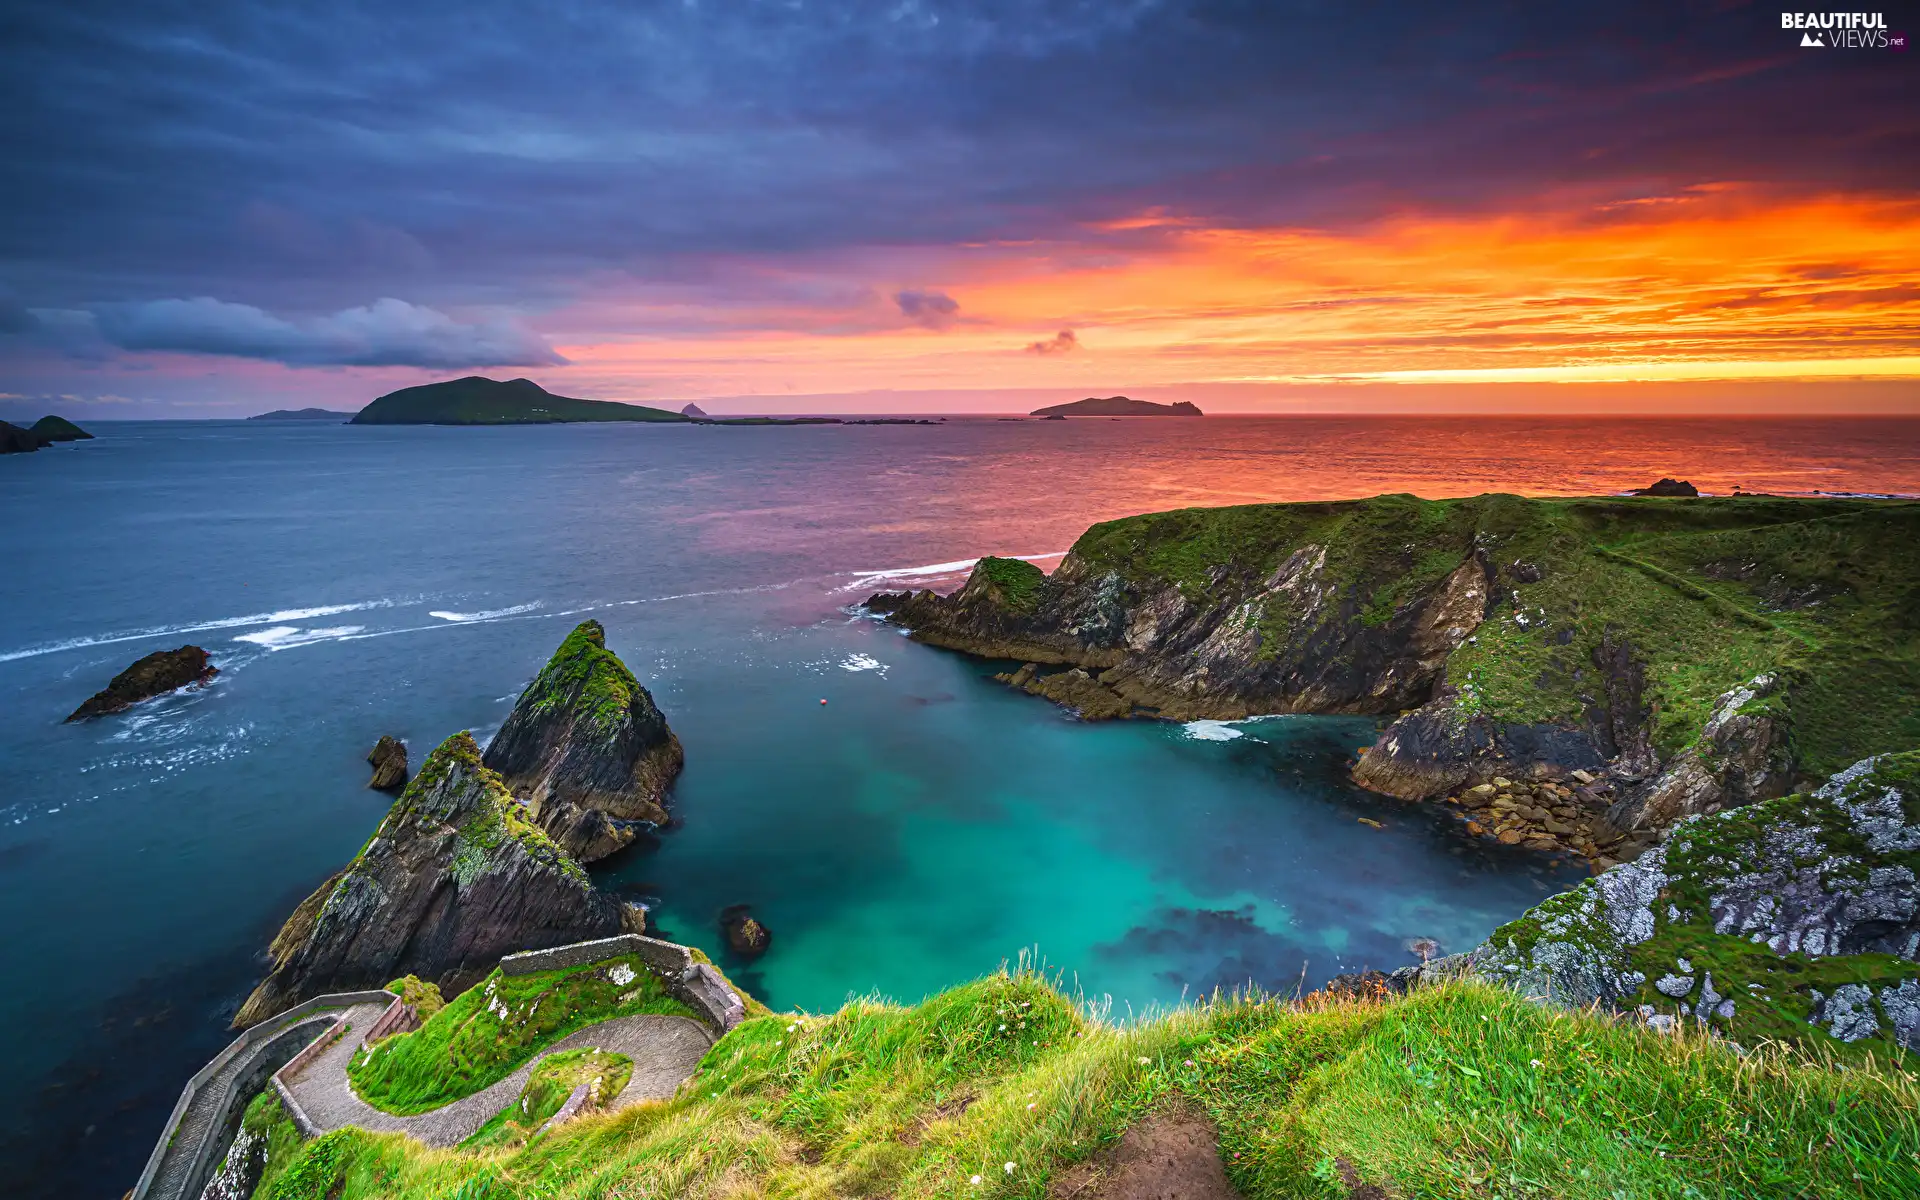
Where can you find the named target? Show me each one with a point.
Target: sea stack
(157, 674)
(587, 750)
(389, 759)
(454, 877)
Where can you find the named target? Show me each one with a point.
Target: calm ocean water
(919, 828)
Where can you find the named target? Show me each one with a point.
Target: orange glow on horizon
(1720, 282)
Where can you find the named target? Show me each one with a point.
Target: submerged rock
(745, 935)
(587, 750)
(157, 674)
(454, 877)
(389, 759)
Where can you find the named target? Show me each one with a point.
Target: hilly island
(477, 400)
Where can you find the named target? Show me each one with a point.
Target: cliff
(587, 750)
(1683, 655)
(453, 878)
(15, 440)
(1117, 406)
(1795, 919)
(477, 400)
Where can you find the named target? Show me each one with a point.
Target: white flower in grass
(1008, 1168)
(793, 1027)
(1144, 1060)
(1535, 1062)
(975, 1181)
(1031, 1107)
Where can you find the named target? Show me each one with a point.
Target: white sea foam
(159, 631)
(1212, 731)
(863, 662)
(864, 579)
(489, 615)
(286, 637)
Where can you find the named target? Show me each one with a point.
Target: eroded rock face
(157, 674)
(587, 750)
(1743, 755)
(454, 877)
(1785, 892)
(389, 759)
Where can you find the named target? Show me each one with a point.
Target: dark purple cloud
(931, 309)
(1060, 343)
(304, 160)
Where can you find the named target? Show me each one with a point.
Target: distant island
(477, 400)
(42, 433)
(301, 414)
(693, 412)
(1117, 406)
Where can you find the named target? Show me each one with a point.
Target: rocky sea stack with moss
(452, 879)
(1654, 657)
(587, 750)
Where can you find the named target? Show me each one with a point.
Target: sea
(919, 828)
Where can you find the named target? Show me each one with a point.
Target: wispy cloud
(385, 333)
(1060, 343)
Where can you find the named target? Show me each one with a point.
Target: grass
(486, 1032)
(1705, 594)
(1463, 1090)
(586, 678)
(267, 1117)
(477, 400)
(1018, 581)
(547, 1089)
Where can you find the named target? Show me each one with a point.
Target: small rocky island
(587, 750)
(157, 674)
(302, 414)
(45, 432)
(389, 761)
(1118, 406)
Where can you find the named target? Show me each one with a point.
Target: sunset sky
(210, 209)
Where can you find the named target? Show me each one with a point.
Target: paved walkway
(664, 1051)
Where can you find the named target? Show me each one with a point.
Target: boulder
(587, 750)
(389, 759)
(747, 937)
(454, 877)
(157, 674)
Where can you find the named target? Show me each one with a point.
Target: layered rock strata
(389, 760)
(454, 877)
(587, 750)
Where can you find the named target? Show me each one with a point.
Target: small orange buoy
(823, 702)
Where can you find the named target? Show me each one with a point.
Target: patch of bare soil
(1172, 1155)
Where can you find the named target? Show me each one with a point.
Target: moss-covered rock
(389, 760)
(454, 877)
(1794, 919)
(587, 750)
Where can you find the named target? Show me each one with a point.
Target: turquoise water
(916, 830)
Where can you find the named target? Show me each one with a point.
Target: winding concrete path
(664, 1051)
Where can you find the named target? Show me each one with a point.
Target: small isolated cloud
(926, 308)
(386, 333)
(1059, 343)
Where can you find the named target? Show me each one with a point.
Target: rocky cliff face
(1689, 655)
(1796, 918)
(453, 878)
(587, 750)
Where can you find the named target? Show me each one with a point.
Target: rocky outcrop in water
(746, 936)
(389, 759)
(157, 674)
(454, 877)
(587, 750)
(1782, 919)
(1668, 487)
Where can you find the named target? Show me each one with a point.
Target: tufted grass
(1463, 1090)
(486, 1032)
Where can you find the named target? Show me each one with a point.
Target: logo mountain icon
(1811, 39)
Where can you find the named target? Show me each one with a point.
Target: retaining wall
(255, 1045)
